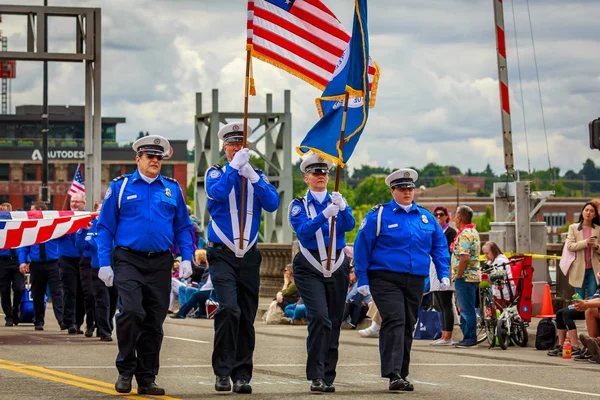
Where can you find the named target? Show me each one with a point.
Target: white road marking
(186, 340)
(352, 365)
(530, 386)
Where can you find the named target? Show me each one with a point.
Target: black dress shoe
(123, 384)
(222, 384)
(39, 328)
(317, 385)
(89, 332)
(63, 327)
(9, 323)
(329, 387)
(397, 383)
(106, 338)
(79, 331)
(72, 330)
(176, 316)
(242, 386)
(152, 389)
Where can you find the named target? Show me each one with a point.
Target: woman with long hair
(582, 239)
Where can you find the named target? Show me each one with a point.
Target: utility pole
(45, 126)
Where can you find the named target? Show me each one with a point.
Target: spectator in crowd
(591, 342)
(288, 293)
(10, 278)
(582, 239)
(443, 299)
(373, 330)
(198, 299)
(357, 305)
(198, 277)
(176, 284)
(494, 256)
(466, 273)
(296, 312)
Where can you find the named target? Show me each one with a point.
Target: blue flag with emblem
(350, 76)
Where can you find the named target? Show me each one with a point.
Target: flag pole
(245, 144)
(337, 177)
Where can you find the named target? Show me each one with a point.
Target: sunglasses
(153, 156)
(319, 173)
(439, 215)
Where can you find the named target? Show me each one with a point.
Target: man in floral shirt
(466, 273)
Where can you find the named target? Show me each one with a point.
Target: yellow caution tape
(539, 256)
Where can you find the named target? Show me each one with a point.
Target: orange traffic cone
(547, 309)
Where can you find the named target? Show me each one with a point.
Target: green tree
(371, 191)
(483, 222)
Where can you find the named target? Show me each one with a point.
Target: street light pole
(45, 126)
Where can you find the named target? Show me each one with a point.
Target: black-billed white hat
(153, 144)
(313, 163)
(234, 132)
(402, 178)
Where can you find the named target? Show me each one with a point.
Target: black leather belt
(147, 254)
(226, 249)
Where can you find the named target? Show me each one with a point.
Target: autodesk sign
(58, 155)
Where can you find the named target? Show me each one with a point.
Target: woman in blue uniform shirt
(322, 283)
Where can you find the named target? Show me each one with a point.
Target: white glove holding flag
(185, 269)
(331, 211)
(364, 290)
(240, 158)
(106, 275)
(248, 172)
(336, 198)
(445, 284)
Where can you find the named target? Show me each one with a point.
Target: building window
(4, 172)
(576, 215)
(3, 198)
(167, 170)
(72, 169)
(555, 220)
(30, 172)
(115, 170)
(130, 168)
(27, 200)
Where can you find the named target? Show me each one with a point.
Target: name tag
(133, 196)
(393, 226)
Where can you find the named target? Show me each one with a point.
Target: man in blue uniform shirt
(392, 254)
(235, 271)
(141, 214)
(68, 263)
(10, 276)
(322, 283)
(41, 261)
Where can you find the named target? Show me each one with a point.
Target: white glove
(364, 290)
(185, 269)
(445, 284)
(248, 172)
(336, 198)
(331, 211)
(106, 275)
(240, 158)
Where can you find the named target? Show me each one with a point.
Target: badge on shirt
(214, 174)
(168, 192)
(265, 178)
(108, 193)
(362, 224)
(424, 219)
(296, 210)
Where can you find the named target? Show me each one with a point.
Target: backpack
(545, 337)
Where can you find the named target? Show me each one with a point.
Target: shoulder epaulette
(376, 207)
(259, 170)
(300, 199)
(118, 178)
(217, 166)
(170, 179)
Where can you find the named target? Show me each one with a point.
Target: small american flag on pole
(26, 228)
(77, 186)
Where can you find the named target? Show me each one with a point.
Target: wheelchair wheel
(502, 333)
(519, 334)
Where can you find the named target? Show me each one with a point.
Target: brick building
(21, 158)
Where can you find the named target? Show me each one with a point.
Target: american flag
(26, 228)
(77, 186)
(302, 37)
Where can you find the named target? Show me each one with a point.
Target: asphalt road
(54, 365)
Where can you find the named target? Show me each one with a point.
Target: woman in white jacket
(494, 256)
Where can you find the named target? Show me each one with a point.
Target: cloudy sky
(438, 93)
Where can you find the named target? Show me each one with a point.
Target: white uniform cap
(402, 178)
(234, 132)
(153, 144)
(313, 163)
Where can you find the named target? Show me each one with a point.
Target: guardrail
(60, 143)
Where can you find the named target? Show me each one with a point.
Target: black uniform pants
(72, 291)
(398, 297)
(144, 286)
(10, 277)
(324, 299)
(105, 304)
(85, 274)
(236, 282)
(43, 274)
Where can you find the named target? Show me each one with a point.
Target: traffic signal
(595, 134)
